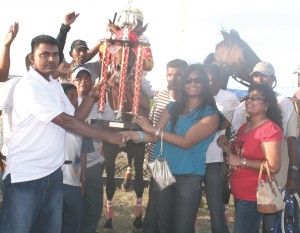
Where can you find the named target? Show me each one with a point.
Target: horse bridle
(229, 71)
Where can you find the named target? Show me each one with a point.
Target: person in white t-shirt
(74, 171)
(41, 114)
(226, 102)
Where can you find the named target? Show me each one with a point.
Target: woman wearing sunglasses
(188, 126)
(256, 140)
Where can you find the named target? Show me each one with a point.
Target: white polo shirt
(36, 145)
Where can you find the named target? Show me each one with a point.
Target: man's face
(73, 97)
(79, 56)
(45, 59)
(174, 78)
(83, 83)
(262, 79)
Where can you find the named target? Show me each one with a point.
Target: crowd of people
(52, 158)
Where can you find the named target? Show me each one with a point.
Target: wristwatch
(244, 162)
(295, 168)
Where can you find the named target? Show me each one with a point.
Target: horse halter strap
(225, 67)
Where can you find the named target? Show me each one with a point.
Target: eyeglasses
(253, 98)
(196, 80)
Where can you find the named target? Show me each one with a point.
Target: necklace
(252, 126)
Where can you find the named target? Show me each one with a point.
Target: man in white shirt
(226, 102)
(36, 146)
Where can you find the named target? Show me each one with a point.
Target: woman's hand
(224, 143)
(234, 160)
(144, 123)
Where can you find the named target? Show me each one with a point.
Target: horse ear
(142, 30)
(234, 34)
(112, 27)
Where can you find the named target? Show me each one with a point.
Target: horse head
(235, 57)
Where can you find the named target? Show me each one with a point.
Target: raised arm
(5, 55)
(69, 19)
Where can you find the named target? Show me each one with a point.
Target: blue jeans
(247, 219)
(93, 199)
(214, 197)
(174, 209)
(72, 209)
(33, 206)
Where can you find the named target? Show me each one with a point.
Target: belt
(67, 162)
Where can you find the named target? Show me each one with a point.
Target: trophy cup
(124, 42)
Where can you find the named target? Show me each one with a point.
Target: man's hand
(11, 34)
(70, 18)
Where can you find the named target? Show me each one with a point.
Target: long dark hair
(274, 112)
(207, 97)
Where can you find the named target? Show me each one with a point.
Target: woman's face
(193, 84)
(255, 104)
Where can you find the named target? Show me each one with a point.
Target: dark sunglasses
(196, 80)
(253, 98)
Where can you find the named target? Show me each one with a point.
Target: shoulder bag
(269, 198)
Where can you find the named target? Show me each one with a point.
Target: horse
(235, 57)
(135, 151)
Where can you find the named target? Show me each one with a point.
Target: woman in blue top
(188, 126)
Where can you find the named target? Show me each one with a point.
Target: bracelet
(157, 133)
(295, 168)
(141, 135)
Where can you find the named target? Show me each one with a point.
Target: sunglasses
(260, 75)
(196, 80)
(253, 98)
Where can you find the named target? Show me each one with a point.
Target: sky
(186, 29)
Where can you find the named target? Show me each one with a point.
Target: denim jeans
(174, 209)
(93, 199)
(247, 219)
(33, 206)
(214, 197)
(72, 209)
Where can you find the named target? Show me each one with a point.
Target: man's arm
(79, 127)
(5, 55)
(69, 19)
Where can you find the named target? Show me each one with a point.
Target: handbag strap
(262, 168)
(161, 144)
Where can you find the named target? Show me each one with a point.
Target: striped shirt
(160, 101)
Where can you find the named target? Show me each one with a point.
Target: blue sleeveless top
(192, 160)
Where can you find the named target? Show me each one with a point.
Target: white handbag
(160, 170)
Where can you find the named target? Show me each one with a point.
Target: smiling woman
(257, 140)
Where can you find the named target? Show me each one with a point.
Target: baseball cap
(79, 44)
(298, 70)
(264, 68)
(80, 69)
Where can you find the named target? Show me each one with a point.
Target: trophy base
(115, 125)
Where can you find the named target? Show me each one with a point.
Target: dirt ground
(124, 213)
